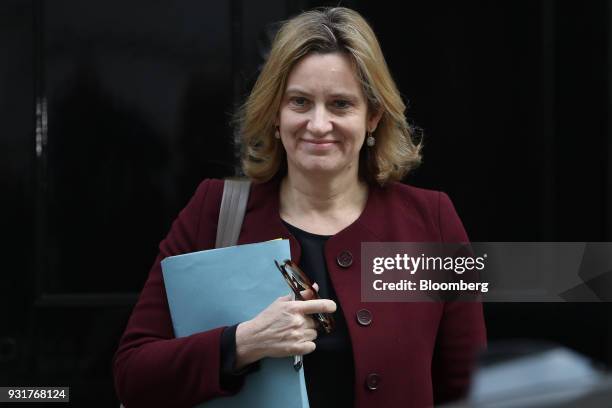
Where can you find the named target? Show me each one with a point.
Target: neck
(324, 196)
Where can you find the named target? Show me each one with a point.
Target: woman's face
(323, 116)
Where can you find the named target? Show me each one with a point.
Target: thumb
(308, 294)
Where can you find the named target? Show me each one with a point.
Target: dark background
(111, 112)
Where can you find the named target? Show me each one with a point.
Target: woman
(325, 142)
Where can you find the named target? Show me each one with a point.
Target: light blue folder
(225, 286)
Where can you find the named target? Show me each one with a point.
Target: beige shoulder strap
(231, 215)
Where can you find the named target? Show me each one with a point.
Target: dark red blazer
(421, 352)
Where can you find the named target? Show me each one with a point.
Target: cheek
(291, 121)
(357, 135)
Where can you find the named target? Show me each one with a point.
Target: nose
(319, 123)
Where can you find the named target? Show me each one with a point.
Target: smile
(320, 143)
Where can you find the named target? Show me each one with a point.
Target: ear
(374, 118)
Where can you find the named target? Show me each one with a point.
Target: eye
(341, 104)
(299, 101)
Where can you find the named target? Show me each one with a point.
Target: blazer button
(345, 259)
(364, 317)
(372, 381)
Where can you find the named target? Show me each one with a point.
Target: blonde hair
(327, 30)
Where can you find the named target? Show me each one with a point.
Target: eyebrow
(342, 95)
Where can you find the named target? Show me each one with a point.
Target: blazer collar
(263, 221)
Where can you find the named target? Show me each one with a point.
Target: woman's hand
(283, 329)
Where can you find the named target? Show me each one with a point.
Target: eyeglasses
(298, 281)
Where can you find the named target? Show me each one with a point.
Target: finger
(311, 323)
(306, 347)
(308, 294)
(316, 306)
(286, 298)
(310, 334)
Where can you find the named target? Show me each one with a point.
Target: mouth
(319, 143)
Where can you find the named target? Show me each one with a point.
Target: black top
(329, 370)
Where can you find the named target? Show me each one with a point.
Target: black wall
(111, 112)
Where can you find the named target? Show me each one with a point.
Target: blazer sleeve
(153, 368)
(461, 334)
